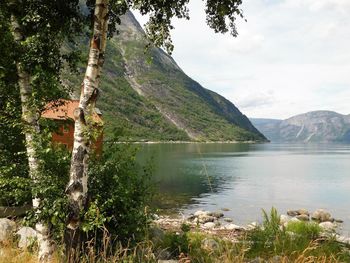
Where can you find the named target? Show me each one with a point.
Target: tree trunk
(77, 187)
(31, 129)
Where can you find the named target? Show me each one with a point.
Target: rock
(293, 213)
(225, 209)
(252, 226)
(191, 217)
(339, 221)
(342, 239)
(27, 236)
(209, 225)
(303, 217)
(155, 217)
(216, 214)
(210, 244)
(303, 212)
(201, 213)
(328, 226)
(284, 219)
(7, 227)
(232, 227)
(168, 261)
(321, 215)
(227, 219)
(205, 218)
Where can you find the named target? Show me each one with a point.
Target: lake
(246, 178)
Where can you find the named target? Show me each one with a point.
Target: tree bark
(77, 187)
(31, 129)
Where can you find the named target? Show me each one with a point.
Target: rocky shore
(213, 226)
(215, 223)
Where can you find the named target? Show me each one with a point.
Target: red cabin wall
(65, 136)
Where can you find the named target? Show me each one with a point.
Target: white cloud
(292, 56)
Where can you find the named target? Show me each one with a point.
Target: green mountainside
(147, 92)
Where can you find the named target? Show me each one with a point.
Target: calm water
(248, 177)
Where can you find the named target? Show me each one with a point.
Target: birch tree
(221, 16)
(38, 29)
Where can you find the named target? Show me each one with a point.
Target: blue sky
(291, 56)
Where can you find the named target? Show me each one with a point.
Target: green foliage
(176, 243)
(310, 230)
(49, 186)
(119, 192)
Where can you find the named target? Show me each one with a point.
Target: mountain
(146, 91)
(315, 126)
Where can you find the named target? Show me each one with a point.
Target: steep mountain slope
(157, 100)
(315, 126)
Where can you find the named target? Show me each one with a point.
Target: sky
(290, 57)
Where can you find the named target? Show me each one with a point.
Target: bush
(119, 192)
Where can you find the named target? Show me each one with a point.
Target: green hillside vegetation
(147, 95)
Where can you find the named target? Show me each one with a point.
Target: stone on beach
(209, 244)
(328, 226)
(303, 217)
(27, 236)
(7, 227)
(284, 219)
(232, 227)
(321, 215)
(209, 225)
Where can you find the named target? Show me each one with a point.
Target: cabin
(62, 112)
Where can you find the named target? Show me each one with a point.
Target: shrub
(119, 193)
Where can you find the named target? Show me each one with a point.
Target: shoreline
(194, 142)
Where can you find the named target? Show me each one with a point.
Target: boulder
(251, 226)
(321, 215)
(342, 239)
(27, 236)
(303, 211)
(293, 213)
(284, 219)
(216, 214)
(209, 244)
(227, 219)
(328, 226)
(232, 227)
(201, 213)
(7, 227)
(303, 217)
(209, 225)
(206, 218)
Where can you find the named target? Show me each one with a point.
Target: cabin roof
(63, 109)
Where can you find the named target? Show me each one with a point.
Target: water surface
(249, 177)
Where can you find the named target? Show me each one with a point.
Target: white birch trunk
(31, 128)
(77, 187)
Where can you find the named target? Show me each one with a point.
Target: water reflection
(248, 177)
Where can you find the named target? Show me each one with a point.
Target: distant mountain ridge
(148, 93)
(315, 126)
